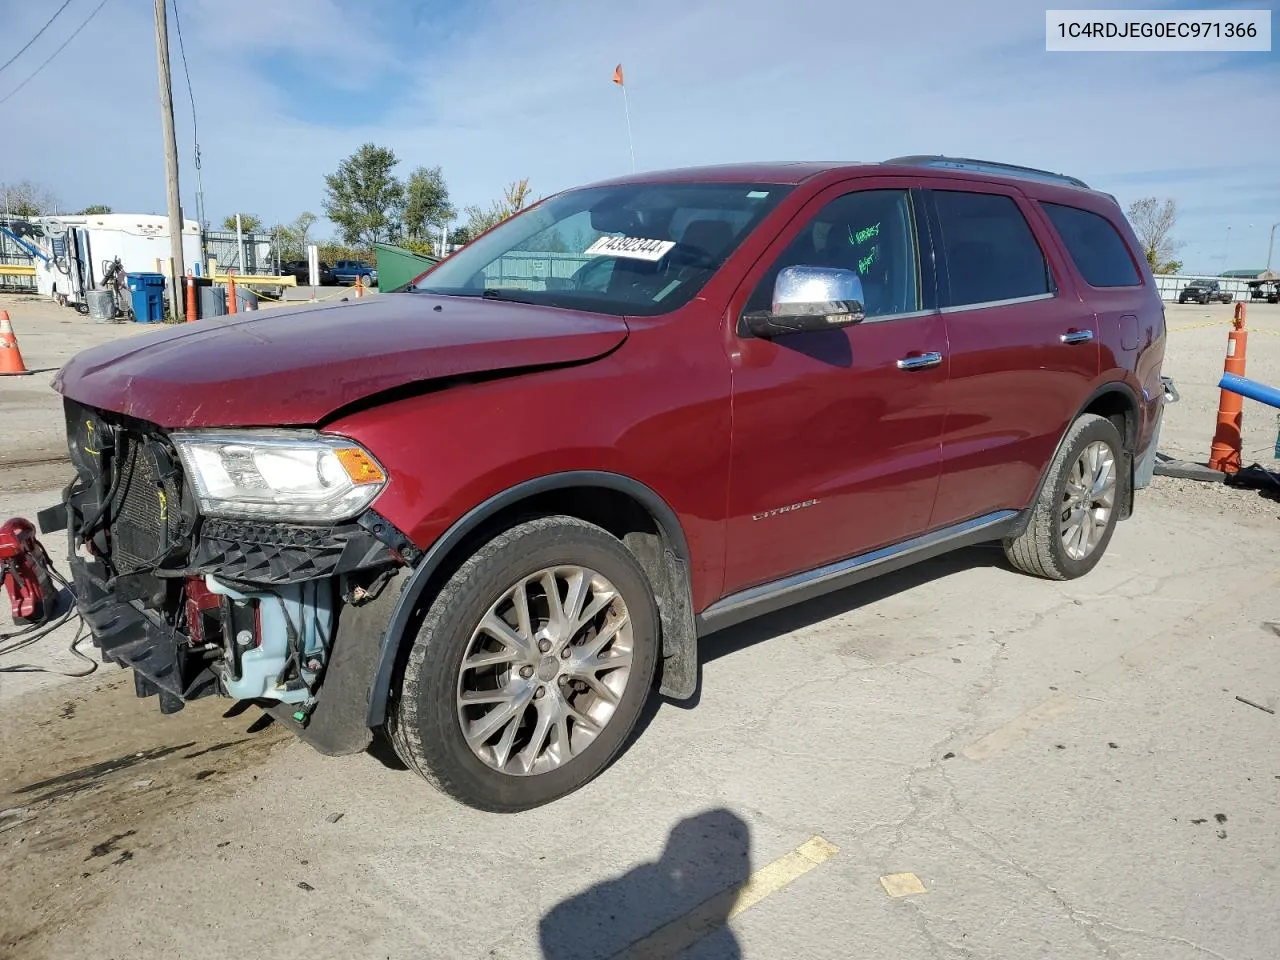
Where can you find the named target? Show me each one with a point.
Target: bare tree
(1153, 222)
(515, 197)
(26, 199)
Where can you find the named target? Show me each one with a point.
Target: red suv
(486, 514)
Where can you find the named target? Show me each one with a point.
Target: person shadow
(660, 908)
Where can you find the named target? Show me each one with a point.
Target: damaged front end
(235, 564)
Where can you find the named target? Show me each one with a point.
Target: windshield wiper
(493, 293)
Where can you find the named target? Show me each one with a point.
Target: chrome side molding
(799, 587)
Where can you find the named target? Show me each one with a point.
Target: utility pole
(177, 268)
(1270, 244)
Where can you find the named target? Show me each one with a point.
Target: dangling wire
(38, 631)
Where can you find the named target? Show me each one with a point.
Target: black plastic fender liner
(1126, 499)
(337, 725)
(678, 627)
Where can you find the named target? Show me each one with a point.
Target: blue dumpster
(146, 290)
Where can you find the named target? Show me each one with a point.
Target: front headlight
(306, 478)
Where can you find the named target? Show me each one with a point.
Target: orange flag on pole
(617, 75)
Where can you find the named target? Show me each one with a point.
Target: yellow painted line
(713, 913)
(785, 870)
(1220, 323)
(1200, 326)
(902, 885)
(1148, 653)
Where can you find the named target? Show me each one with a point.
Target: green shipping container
(398, 266)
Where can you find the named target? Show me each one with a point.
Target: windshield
(638, 248)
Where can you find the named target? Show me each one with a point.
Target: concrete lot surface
(1086, 769)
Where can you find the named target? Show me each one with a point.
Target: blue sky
(493, 90)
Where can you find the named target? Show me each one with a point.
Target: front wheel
(530, 668)
(1074, 517)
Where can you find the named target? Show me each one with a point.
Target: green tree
(426, 203)
(331, 250)
(249, 222)
(1153, 223)
(95, 209)
(26, 199)
(364, 198)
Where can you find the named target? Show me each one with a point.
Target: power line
(36, 37)
(10, 95)
(195, 132)
(177, 22)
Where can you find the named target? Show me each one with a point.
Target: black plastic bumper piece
(129, 636)
(277, 553)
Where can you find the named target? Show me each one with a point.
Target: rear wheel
(1072, 521)
(531, 667)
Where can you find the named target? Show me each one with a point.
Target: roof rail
(989, 166)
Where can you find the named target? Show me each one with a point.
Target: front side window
(991, 253)
(639, 248)
(1096, 247)
(869, 232)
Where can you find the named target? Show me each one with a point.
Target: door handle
(921, 362)
(1077, 336)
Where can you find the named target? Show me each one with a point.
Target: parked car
(1268, 290)
(300, 270)
(346, 271)
(485, 515)
(1204, 291)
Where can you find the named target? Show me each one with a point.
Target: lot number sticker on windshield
(635, 248)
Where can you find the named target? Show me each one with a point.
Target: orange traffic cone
(232, 306)
(1224, 454)
(359, 287)
(11, 364)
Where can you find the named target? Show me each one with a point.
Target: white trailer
(77, 249)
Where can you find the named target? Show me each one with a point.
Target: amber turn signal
(359, 466)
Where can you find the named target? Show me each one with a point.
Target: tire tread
(405, 718)
(1033, 551)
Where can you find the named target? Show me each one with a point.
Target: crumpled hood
(291, 367)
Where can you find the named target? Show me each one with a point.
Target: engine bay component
(288, 642)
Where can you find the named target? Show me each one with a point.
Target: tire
(425, 724)
(1041, 549)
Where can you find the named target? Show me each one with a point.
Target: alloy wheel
(544, 670)
(1088, 500)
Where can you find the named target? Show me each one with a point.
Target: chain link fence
(1170, 285)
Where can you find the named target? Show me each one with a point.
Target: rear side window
(992, 255)
(1096, 247)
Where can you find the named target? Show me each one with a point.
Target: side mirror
(807, 299)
